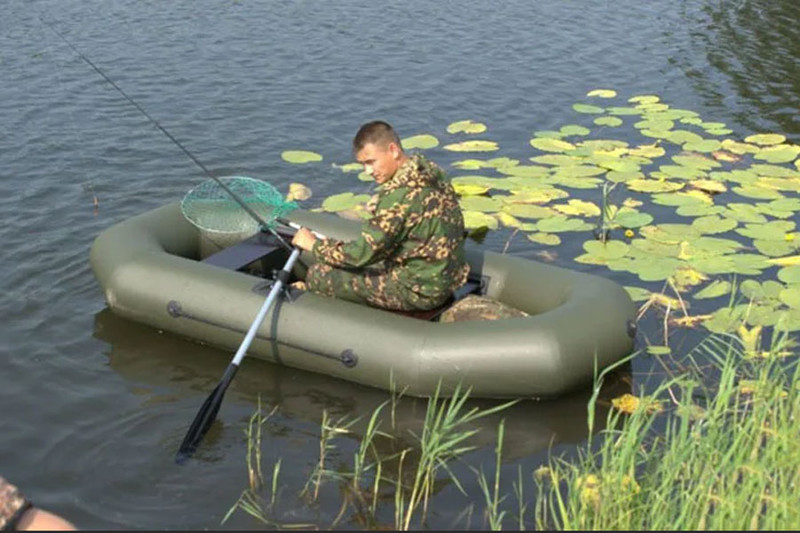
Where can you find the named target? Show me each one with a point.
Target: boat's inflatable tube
(149, 271)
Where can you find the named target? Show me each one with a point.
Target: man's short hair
(376, 132)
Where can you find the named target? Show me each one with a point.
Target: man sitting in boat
(410, 255)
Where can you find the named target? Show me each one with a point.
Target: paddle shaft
(208, 411)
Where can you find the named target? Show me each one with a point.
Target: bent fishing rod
(242, 203)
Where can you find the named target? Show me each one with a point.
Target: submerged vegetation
(702, 226)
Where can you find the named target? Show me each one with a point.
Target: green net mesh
(213, 210)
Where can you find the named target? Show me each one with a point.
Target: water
(94, 407)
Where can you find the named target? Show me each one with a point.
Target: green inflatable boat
(156, 269)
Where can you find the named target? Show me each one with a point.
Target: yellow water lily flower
(629, 233)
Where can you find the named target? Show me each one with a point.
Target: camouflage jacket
(416, 230)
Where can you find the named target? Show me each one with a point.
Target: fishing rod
(248, 209)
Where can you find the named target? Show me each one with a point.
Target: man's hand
(304, 239)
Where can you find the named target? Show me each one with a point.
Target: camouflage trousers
(376, 288)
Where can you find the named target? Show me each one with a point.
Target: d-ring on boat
(150, 270)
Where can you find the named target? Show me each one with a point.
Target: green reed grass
(708, 457)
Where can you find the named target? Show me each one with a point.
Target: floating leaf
(525, 171)
(653, 350)
(699, 210)
(466, 126)
(765, 139)
(624, 111)
(714, 290)
(644, 99)
(602, 93)
(757, 192)
(638, 294)
(783, 153)
(573, 129)
(475, 219)
(739, 148)
(709, 186)
(607, 250)
(551, 145)
(743, 213)
(298, 191)
(714, 224)
(683, 137)
(588, 109)
(483, 204)
(706, 145)
(561, 223)
(773, 230)
(349, 167)
(560, 160)
(789, 274)
(628, 218)
(578, 207)
(608, 121)
(791, 296)
(545, 238)
(344, 201)
(420, 142)
(528, 211)
(774, 248)
(681, 198)
(300, 156)
(470, 190)
(472, 146)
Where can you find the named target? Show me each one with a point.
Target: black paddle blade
(205, 417)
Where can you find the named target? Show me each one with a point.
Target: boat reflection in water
(163, 365)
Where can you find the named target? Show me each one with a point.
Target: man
(414, 239)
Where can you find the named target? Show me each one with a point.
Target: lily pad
(714, 224)
(349, 167)
(773, 230)
(628, 218)
(475, 219)
(653, 186)
(573, 129)
(466, 126)
(789, 274)
(528, 210)
(782, 153)
(714, 290)
(709, 186)
(612, 122)
(623, 111)
(551, 145)
(739, 148)
(344, 201)
(588, 109)
(300, 156)
(757, 192)
(791, 296)
(484, 204)
(545, 238)
(602, 93)
(420, 142)
(706, 145)
(560, 223)
(744, 213)
(579, 208)
(607, 250)
(765, 139)
(298, 191)
(637, 294)
(472, 146)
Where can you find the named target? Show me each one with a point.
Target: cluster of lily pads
(735, 201)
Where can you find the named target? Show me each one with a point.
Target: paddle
(208, 411)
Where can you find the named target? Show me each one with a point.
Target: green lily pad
(699, 210)
(472, 146)
(525, 171)
(714, 290)
(612, 122)
(773, 230)
(623, 111)
(579, 208)
(551, 145)
(637, 294)
(559, 160)
(645, 248)
(300, 156)
(420, 142)
(744, 213)
(791, 296)
(484, 204)
(774, 171)
(782, 153)
(759, 193)
(739, 148)
(475, 219)
(344, 201)
(588, 109)
(726, 320)
(775, 248)
(538, 195)
(629, 218)
(466, 126)
(677, 199)
(545, 238)
(696, 161)
(788, 321)
(644, 99)
(706, 145)
(616, 176)
(790, 274)
(607, 250)
(680, 171)
(573, 129)
(765, 139)
(560, 223)
(714, 224)
(659, 350)
(528, 210)
(761, 292)
(349, 167)
(683, 137)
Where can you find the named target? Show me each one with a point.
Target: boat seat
(258, 247)
(472, 286)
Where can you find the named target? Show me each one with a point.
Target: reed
(695, 456)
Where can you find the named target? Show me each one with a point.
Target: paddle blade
(205, 417)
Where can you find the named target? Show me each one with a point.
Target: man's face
(381, 162)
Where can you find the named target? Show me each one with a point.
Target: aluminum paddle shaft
(208, 412)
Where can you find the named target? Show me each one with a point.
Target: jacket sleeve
(380, 235)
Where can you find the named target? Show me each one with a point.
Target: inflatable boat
(156, 268)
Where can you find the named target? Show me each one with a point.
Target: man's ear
(395, 150)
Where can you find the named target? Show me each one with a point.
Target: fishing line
(191, 156)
